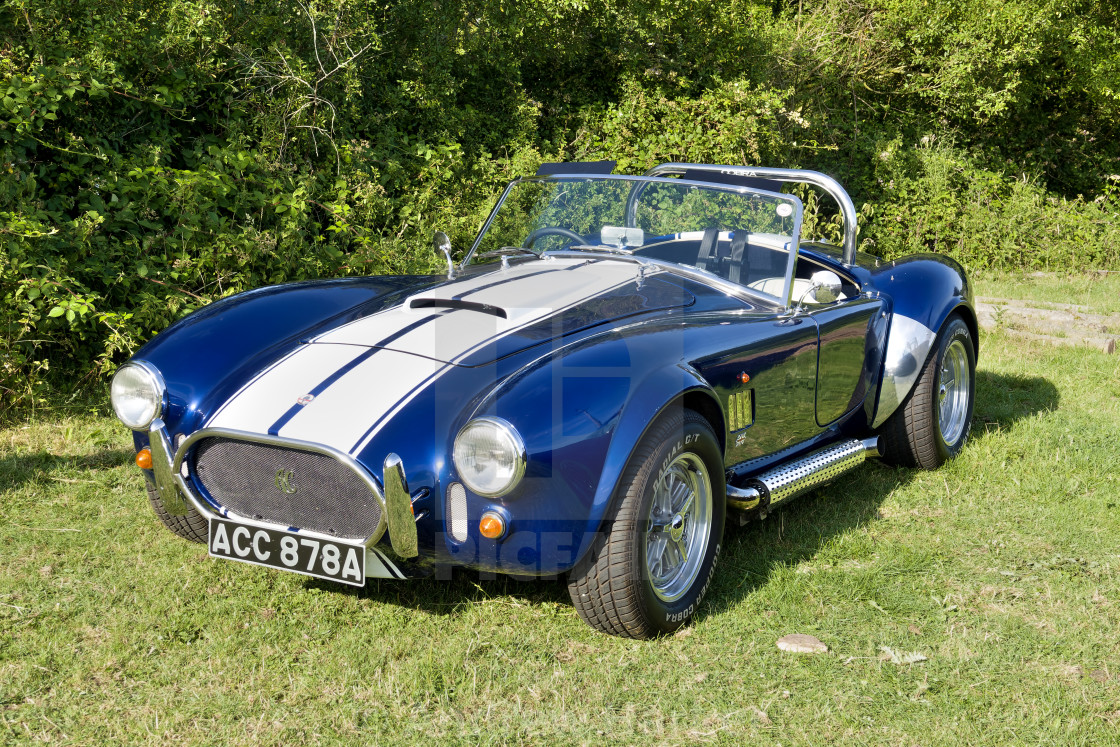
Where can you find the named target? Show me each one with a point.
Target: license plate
(288, 551)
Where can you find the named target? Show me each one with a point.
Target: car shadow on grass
(16, 470)
(799, 530)
(794, 533)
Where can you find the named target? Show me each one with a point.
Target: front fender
(582, 412)
(206, 356)
(664, 389)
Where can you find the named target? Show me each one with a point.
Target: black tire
(627, 585)
(193, 526)
(924, 431)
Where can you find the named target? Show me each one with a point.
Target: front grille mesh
(245, 477)
(457, 512)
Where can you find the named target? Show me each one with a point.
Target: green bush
(158, 154)
(932, 198)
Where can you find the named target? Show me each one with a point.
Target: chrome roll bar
(803, 176)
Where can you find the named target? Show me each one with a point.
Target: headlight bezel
(157, 386)
(517, 450)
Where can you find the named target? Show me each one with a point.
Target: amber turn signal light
(492, 526)
(144, 458)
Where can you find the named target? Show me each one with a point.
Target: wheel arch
(968, 314)
(674, 386)
(924, 291)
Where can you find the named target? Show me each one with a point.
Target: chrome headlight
(489, 456)
(137, 394)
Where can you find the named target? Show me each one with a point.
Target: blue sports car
(616, 363)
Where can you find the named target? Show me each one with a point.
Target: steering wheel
(552, 231)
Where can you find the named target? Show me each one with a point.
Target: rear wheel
(193, 526)
(932, 425)
(649, 569)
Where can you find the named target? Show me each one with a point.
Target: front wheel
(650, 567)
(193, 526)
(932, 425)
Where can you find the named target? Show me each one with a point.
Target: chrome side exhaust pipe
(789, 479)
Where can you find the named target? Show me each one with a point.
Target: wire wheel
(679, 522)
(954, 392)
(651, 566)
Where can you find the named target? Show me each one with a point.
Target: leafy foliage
(158, 154)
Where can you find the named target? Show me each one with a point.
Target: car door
(849, 333)
(767, 385)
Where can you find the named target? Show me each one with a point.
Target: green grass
(1097, 290)
(1003, 568)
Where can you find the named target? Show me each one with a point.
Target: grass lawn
(1002, 569)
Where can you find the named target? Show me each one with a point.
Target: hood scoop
(476, 320)
(457, 303)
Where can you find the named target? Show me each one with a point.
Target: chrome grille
(287, 486)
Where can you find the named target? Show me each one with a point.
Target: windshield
(744, 236)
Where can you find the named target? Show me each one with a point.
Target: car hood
(343, 386)
(476, 320)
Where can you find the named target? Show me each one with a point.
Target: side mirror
(442, 245)
(826, 286)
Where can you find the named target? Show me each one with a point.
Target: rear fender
(924, 291)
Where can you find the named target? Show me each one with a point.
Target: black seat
(708, 257)
(736, 263)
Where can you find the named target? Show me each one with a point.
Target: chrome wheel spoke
(663, 498)
(655, 552)
(686, 504)
(682, 549)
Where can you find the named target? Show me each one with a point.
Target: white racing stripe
(272, 394)
(449, 338)
(528, 296)
(343, 414)
(368, 330)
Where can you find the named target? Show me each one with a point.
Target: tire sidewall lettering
(677, 617)
(678, 447)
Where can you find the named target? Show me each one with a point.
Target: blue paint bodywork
(584, 387)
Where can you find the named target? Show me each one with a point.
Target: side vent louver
(740, 409)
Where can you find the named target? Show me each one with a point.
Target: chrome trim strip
(160, 445)
(205, 508)
(398, 509)
(908, 343)
(817, 179)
